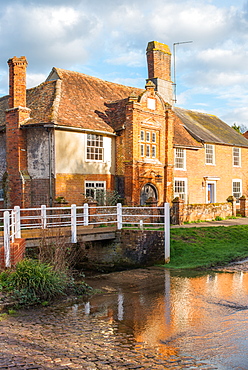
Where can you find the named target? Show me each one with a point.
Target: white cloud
(111, 35)
(34, 79)
(130, 59)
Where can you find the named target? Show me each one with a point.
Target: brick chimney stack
(17, 82)
(17, 184)
(159, 69)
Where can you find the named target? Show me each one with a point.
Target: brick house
(75, 135)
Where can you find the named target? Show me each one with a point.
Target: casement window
(148, 148)
(237, 189)
(94, 147)
(142, 150)
(153, 151)
(180, 188)
(180, 159)
(236, 157)
(142, 135)
(1, 194)
(95, 190)
(209, 154)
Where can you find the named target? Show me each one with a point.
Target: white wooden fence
(13, 221)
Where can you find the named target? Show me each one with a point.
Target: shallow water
(202, 315)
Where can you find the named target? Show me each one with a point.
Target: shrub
(33, 282)
(218, 218)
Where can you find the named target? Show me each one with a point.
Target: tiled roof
(182, 137)
(3, 106)
(86, 101)
(208, 128)
(39, 100)
(76, 100)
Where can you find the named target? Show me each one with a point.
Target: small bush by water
(33, 282)
(207, 246)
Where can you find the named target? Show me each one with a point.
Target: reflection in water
(202, 316)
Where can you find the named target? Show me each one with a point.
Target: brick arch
(148, 190)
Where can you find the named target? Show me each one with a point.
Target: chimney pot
(17, 82)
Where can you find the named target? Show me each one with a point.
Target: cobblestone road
(51, 339)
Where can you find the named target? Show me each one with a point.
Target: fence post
(86, 214)
(17, 221)
(119, 216)
(43, 217)
(6, 239)
(12, 215)
(167, 232)
(73, 223)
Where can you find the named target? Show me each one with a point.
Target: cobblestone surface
(55, 339)
(239, 266)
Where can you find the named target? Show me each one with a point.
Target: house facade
(76, 136)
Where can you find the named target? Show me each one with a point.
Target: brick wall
(158, 60)
(129, 249)
(18, 180)
(17, 252)
(197, 173)
(17, 82)
(71, 186)
(137, 170)
(40, 192)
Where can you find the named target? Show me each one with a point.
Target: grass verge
(207, 246)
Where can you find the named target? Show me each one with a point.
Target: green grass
(207, 246)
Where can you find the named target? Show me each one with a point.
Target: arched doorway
(148, 191)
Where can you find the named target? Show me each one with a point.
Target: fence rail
(13, 221)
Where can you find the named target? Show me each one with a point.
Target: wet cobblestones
(54, 339)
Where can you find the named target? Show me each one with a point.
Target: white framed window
(153, 151)
(180, 159)
(142, 135)
(148, 151)
(236, 157)
(209, 154)
(154, 137)
(151, 103)
(96, 190)
(180, 188)
(148, 136)
(94, 147)
(237, 189)
(142, 150)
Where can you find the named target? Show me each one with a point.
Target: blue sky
(108, 39)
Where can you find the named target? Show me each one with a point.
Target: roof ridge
(196, 123)
(60, 72)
